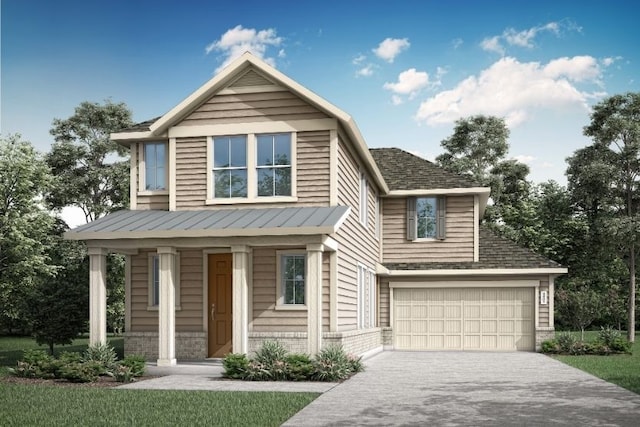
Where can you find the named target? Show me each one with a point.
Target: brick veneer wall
(356, 342)
(189, 345)
(543, 334)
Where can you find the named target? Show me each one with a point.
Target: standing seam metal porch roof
(213, 223)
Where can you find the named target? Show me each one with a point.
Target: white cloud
(410, 82)
(492, 44)
(389, 48)
(546, 165)
(607, 62)
(456, 43)
(513, 90)
(358, 59)
(365, 71)
(523, 158)
(523, 38)
(396, 100)
(239, 40)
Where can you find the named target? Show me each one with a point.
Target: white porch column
(97, 296)
(240, 280)
(167, 307)
(313, 297)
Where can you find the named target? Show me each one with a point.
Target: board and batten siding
(266, 318)
(312, 173)
(456, 247)
(189, 316)
(252, 107)
(357, 243)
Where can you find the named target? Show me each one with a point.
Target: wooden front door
(219, 308)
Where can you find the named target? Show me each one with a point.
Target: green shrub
(35, 364)
(123, 374)
(103, 355)
(270, 357)
(549, 346)
(82, 372)
(331, 364)
(566, 342)
(256, 371)
(299, 367)
(24, 370)
(355, 363)
(607, 335)
(135, 363)
(620, 345)
(235, 365)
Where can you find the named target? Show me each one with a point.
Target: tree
(82, 159)
(59, 306)
(477, 145)
(91, 175)
(24, 227)
(606, 178)
(580, 307)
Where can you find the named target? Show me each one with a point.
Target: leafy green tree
(59, 306)
(605, 178)
(477, 145)
(87, 164)
(579, 307)
(24, 227)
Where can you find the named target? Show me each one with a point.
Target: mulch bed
(102, 382)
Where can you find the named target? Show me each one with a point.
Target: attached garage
(464, 318)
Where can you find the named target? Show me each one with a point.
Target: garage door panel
(464, 319)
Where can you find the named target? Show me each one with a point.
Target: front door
(220, 329)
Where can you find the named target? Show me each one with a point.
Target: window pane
(265, 182)
(156, 280)
(160, 154)
(265, 150)
(221, 152)
(238, 180)
(282, 149)
(293, 280)
(221, 183)
(426, 216)
(283, 182)
(238, 151)
(299, 292)
(160, 185)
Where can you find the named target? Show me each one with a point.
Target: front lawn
(623, 370)
(43, 405)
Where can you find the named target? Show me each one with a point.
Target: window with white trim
(366, 297)
(274, 164)
(292, 278)
(229, 166)
(154, 166)
(154, 281)
(426, 218)
(252, 168)
(363, 199)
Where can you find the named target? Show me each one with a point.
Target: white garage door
(463, 319)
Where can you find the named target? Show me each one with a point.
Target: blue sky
(405, 70)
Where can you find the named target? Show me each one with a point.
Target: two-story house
(258, 213)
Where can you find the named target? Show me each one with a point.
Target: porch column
(314, 297)
(97, 296)
(240, 286)
(167, 307)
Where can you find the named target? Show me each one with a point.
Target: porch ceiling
(140, 224)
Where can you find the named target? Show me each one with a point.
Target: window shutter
(441, 221)
(411, 218)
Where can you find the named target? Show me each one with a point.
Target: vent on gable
(251, 78)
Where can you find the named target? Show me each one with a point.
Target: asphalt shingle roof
(495, 252)
(140, 127)
(402, 170)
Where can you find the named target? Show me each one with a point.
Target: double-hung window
(366, 297)
(154, 281)
(155, 166)
(426, 218)
(274, 165)
(291, 273)
(229, 166)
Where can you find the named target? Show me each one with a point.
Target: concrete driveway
(477, 389)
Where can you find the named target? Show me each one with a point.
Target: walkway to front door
(220, 298)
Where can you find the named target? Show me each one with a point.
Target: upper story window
(364, 205)
(229, 166)
(252, 168)
(426, 218)
(155, 166)
(274, 165)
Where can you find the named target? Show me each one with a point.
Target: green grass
(43, 405)
(623, 370)
(12, 348)
(36, 405)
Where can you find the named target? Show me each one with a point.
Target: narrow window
(363, 199)
(362, 296)
(274, 165)
(293, 278)
(372, 299)
(155, 166)
(154, 281)
(229, 166)
(426, 218)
